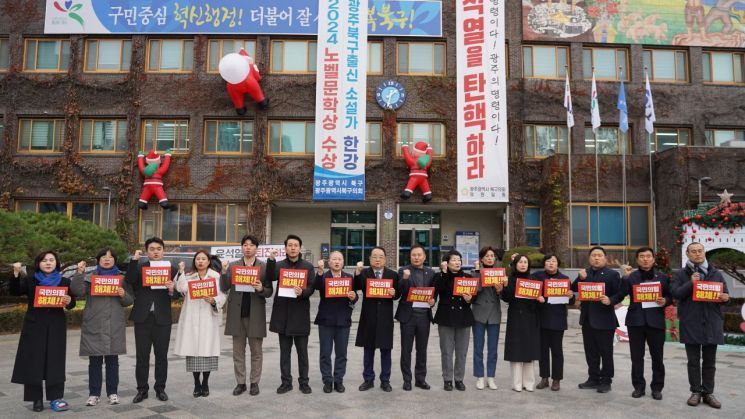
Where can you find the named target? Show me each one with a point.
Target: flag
(649, 117)
(594, 109)
(623, 111)
(568, 103)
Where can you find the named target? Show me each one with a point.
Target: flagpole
(568, 106)
(597, 171)
(651, 167)
(623, 183)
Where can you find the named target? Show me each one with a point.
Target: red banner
(49, 297)
(202, 288)
(491, 277)
(590, 291)
(556, 287)
(420, 294)
(244, 275)
(647, 293)
(528, 288)
(291, 278)
(155, 276)
(378, 288)
(337, 287)
(707, 291)
(465, 285)
(106, 285)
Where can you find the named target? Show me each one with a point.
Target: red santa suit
(153, 184)
(250, 86)
(418, 177)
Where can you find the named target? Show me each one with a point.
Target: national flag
(594, 109)
(649, 117)
(568, 103)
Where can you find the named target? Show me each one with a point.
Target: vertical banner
(341, 90)
(482, 101)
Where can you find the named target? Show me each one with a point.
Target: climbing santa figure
(153, 169)
(418, 159)
(242, 75)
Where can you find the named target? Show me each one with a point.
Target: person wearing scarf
(701, 324)
(103, 335)
(40, 360)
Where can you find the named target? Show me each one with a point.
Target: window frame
(618, 71)
(408, 59)
(221, 52)
(539, 228)
(54, 150)
(69, 207)
(559, 76)
(627, 213)
(160, 56)
(116, 130)
(59, 68)
(98, 49)
(307, 63)
(710, 53)
(175, 150)
(6, 41)
(367, 136)
(195, 221)
(678, 144)
(713, 131)
(307, 153)
(537, 124)
(382, 64)
(628, 136)
(228, 153)
(686, 65)
(399, 144)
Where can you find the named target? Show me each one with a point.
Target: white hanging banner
(482, 101)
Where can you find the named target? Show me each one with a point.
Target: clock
(390, 94)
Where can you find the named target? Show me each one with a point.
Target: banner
(482, 101)
(590, 291)
(337, 287)
(648, 292)
(491, 277)
(556, 287)
(707, 291)
(528, 288)
(341, 101)
(49, 297)
(244, 277)
(155, 276)
(233, 253)
(202, 289)
(419, 296)
(289, 279)
(227, 17)
(465, 285)
(106, 285)
(378, 288)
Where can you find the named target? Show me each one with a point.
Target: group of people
(534, 327)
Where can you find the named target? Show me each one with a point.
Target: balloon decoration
(419, 159)
(242, 76)
(153, 168)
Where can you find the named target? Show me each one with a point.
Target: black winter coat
(376, 319)
(291, 316)
(452, 311)
(522, 337)
(701, 323)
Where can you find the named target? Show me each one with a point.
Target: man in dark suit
(646, 324)
(151, 314)
(375, 329)
(599, 322)
(414, 322)
(246, 316)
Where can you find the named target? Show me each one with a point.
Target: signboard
(590, 291)
(378, 288)
(106, 285)
(467, 243)
(49, 297)
(233, 253)
(202, 288)
(491, 277)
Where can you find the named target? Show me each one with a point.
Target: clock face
(390, 94)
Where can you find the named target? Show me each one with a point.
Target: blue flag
(623, 116)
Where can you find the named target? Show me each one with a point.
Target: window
(161, 135)
(4, 54)
(354, 234)
(292, 137)
(195, 222)
(374, 139)
(610, 225)
(419, 227)
(545, 140)
(218, 48)
(533, 226)
(432, 133)
(421, 58)
(722, 137)
(546, 62)
(99, 135)
(41, 135)
(610, 140)
(665, 138)
(374, 58)
(229, 137)
(108, 55)
(170, 55)
(2, 130)
(666, 65)
(47, 55)
(723, 67)
(294, 57)
(94, 212)
(606, 62)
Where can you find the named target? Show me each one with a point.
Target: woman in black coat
(41, 348)
(522, 338)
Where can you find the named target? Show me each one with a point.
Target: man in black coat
(646, 323)
(291, 316)
(414, 322)
(151, 314)
(701, 324)
(598, 320)
(375, 330)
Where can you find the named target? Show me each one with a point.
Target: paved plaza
(570, 402)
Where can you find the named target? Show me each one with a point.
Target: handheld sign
(337, 287)
(155, 276)
(647, 292)
(243, 277)
(289, 279)
(105, 285)
(556, 287)
(465, 286)
(49, 297)
(590, 291)
(419, 296)
(491, 277)
(378, 288)
(528, 288)
(202, 288)
(707, 291)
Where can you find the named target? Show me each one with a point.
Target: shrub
(533, 253)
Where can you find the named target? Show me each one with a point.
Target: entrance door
(423, 228)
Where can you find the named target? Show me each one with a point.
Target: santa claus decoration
(242, 75)
(419, 159)
(153, 168)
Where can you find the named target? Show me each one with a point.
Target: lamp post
(702, 179)
(108, 206)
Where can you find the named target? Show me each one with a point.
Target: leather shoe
(197, 391)
(407, 385)
(694, 400)
(162, 396)
(386, 386)
(239, 389)
(205, 391)
(367, 385)
(38, 405)
(555, 385)
(448, 386)
(305, 389)
(327, 388)
(339, 387)
(712, 401)
(638, 392)
(284, 388)
(604, 388)
(140, 396)
(460, 386)
(657, 395)
(422, 384)
(589, 384)
(543, 384)
(254, 389)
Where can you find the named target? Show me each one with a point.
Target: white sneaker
(113, 399)
(92, 401)
(480, 383)
(492, 383)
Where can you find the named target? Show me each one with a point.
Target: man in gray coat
(246, 315)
